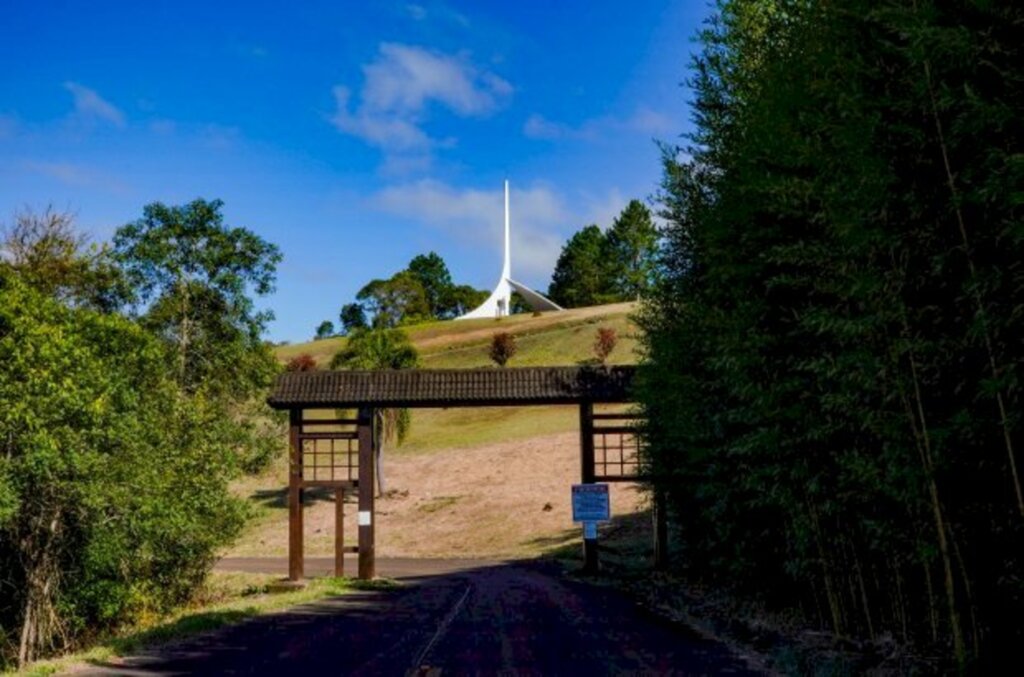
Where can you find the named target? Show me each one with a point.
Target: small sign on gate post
(590, 505)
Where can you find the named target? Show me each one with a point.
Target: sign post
(590, 505)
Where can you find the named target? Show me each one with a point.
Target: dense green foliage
(324, 330)
(432, 273)
(113, 483)
(197, 275)
(423, 291)
(120, 433)
(581, 276)
(598, 267)
(632, 246)
(352, 317)
(834, 355)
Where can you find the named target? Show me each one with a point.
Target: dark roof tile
(452, 387)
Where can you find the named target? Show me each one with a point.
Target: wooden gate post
(367, 556)
(295, 531)
(588, 476)
(339, 532)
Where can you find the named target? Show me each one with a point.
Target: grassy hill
(446, 446)
(558, 338)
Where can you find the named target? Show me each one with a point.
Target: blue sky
(354, 135)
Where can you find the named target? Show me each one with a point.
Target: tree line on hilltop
(595, 267)
(834, 356)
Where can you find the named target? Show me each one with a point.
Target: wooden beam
(367, 556)
(295, 530)
(339, 532)
(588, 476)
(587, 471)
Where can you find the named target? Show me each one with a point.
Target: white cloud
(647, 121)
(401, 85)
(417, 12)
(78, 175)
(90, 106)
(539, 127)
(391, 132)
(541, 219)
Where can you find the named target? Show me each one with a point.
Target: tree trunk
(40, 625)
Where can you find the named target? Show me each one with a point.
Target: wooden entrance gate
(337, 454)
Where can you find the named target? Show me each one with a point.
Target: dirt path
(501, 619)
(510, 499)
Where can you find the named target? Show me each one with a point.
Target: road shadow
(624, 542)
(496, 618)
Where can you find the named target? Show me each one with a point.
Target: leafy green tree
(324, 330)
(432, 273)
(381, 349)
(196, 275)
(632, 245)
(113, 484)
(582, 275)
(463, 298)
(400, 299)
(831, 369)
(352, 317)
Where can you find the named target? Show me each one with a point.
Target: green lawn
(563, 338)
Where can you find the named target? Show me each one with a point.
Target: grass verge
(228, 598)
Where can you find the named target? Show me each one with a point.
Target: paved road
(512, 619)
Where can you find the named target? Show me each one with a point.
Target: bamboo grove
(834, 351)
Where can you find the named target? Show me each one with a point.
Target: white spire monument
(499, 303)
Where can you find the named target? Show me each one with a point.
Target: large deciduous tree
(400, 299)
(196, 274)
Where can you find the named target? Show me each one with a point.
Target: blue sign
(590, 503)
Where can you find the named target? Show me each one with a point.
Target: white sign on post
(590, 503)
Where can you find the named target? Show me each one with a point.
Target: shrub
(302, 362)
(503, 348)
(113, 484)
(604, 343)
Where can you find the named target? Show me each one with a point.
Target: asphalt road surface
(510, 619)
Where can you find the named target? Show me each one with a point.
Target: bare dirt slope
(498, 500)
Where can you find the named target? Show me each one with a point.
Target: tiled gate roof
(452, 387)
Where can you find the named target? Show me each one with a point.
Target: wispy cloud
(417, 12)
(643, 120)
(78, 176)
(91, 107)
(403, 84)
(541, 221)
